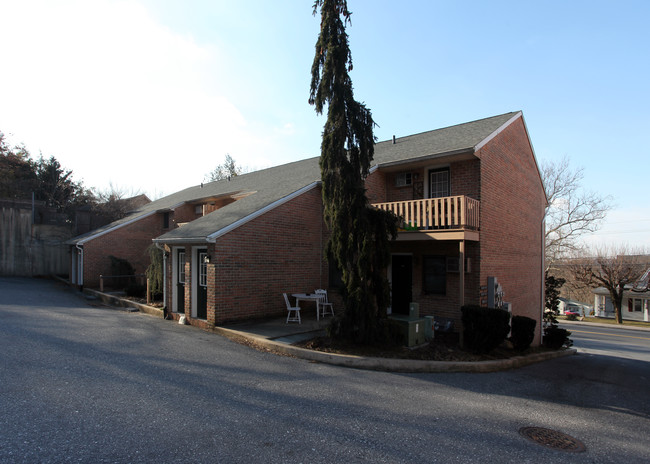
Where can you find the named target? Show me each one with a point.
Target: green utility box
(414, 310)
(412, 329)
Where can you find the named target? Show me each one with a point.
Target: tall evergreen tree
(360, 235)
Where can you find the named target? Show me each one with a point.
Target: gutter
(81, 268)
(485, 141)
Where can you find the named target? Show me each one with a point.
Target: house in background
(636, 301)
(471, 201)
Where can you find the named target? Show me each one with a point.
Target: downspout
(164, 253)
(80, 269)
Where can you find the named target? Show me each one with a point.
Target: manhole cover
(553, 439)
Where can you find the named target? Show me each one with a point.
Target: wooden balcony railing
(459, 212)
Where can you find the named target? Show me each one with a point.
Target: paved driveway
(84, 383)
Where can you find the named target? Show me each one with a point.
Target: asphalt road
(85, 383)
(621, 342)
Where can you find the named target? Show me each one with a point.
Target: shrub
(556, 337)
(571, 317)
(484, 328)
(121, 267)
(523, 332)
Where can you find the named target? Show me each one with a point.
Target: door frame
(175, 251)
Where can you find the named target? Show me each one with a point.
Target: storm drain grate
(553, 439)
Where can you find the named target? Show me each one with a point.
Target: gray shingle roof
(458, 138)
(280, 182)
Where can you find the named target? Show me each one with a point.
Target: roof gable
(460, 138)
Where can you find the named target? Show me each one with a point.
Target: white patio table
(308, 297)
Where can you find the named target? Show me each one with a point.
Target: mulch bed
(444, 347)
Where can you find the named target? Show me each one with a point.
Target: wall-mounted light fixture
(206, 259)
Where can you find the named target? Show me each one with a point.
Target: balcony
(439, 218)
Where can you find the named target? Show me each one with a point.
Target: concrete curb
(356, 362)
(123, 303)
(392, 364)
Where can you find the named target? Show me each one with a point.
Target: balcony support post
(461, 284)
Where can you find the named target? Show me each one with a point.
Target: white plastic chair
(325, 307)
(293, 314)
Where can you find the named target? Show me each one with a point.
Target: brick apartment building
(471, 199)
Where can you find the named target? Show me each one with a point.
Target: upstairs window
(439, 183)
(403, 179)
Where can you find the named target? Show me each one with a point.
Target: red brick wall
(464, 178)
(376, 187)
(512, 209)
(129, 242)
(254, 264)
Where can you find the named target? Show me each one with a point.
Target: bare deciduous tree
(226, 170)
(572, 211)
(612, 268)
(116, 202)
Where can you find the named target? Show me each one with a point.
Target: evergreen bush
(556, 337)
(122, 268)
(484, 328)
(523, 332)
(136, 290)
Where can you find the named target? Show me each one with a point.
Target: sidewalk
(277, 336)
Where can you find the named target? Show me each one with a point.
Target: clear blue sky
(151, 95)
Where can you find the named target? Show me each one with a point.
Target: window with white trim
(439, 183)
(403, 179)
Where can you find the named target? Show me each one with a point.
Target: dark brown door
(402, 283)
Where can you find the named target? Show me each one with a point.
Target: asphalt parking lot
(82, 382)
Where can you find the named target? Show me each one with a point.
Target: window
(165, 220)
(636, 305)
(434, 279)
(181, 267)
(453, 264)
(203, 269)
(439, 183)
(403, 179)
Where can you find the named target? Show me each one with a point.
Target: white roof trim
(111, 229)
(215, 235)
(483, 142)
